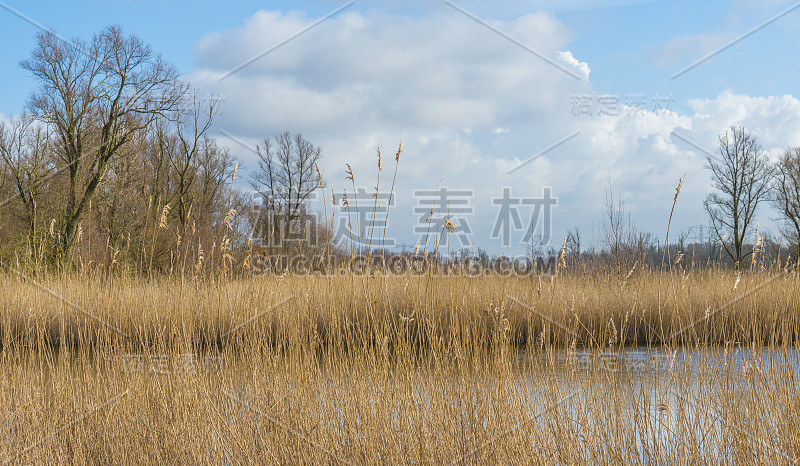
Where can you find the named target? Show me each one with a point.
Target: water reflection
(669, 396)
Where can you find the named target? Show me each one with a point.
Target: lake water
(653, 398)
(672, 394)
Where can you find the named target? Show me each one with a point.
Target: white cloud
(774, 120)
(581, 66)
(447, 87)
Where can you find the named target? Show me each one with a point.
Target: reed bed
(340, 312)
(386, 369)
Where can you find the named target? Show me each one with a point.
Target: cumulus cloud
(581, 66)
(417, 72)
(773, 119)
(469, 106)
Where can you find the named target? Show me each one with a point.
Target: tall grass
(417, 368)
(387, 369)
(697, 308)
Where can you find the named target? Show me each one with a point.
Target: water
(655, 399)
(694, 396)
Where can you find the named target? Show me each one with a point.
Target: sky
(496, 105)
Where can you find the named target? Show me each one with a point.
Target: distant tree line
(744, 180)
(111, 164)
(111, 168)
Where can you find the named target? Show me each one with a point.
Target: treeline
(111, 169)
(111, 166)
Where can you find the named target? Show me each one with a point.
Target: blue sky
(483, 101)
(622, 40)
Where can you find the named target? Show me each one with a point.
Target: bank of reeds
(399, 369)
(594, 310)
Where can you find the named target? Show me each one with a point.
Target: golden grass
(595, 310)
(373, 369)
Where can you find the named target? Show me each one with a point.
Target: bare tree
(614, 229)
(191, 125)
(26, 153)
(123, 196)
(786, 194)
(96, 96)
(627, 244)
(285, 177)
(574, 245)
(741, 175)
(215, 170)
